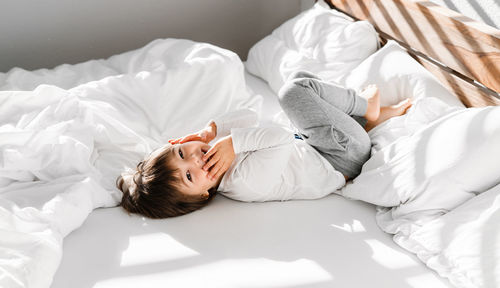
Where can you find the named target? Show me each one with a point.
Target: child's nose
(197, 159)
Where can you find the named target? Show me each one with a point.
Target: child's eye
(180, 154)
(188, 175)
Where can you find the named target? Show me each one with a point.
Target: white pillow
(398, 76)
(320, 40)
(463, 245)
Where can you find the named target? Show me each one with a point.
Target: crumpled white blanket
(426, 170)
(63, 144)
(418, 158)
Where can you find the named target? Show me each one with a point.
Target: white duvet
(64, 143)
(426, 170)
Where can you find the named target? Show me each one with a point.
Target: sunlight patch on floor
(259, 272)
(355, 227)
(154, 248)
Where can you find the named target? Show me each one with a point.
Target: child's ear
(205, 195)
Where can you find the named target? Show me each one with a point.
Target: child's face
(187, 158)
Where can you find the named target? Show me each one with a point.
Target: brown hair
(156, 193)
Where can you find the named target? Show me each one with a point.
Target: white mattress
(331, 242)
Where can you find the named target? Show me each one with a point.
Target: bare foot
(388, 112)
(371, 94)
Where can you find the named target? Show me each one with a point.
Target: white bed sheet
(330, 242)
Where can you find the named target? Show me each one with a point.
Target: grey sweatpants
(329, 118)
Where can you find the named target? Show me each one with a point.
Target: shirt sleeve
(235, 119)
(253, 139)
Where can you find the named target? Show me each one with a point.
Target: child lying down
(251, 163)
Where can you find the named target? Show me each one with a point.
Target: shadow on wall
(486, 11)
(467, 56)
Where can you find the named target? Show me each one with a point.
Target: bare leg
(388, 112)
(371, 94)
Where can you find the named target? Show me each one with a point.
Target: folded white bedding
(413, 174)
(442, 159)
(63, 147)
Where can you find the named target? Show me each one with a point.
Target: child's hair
(152, 189)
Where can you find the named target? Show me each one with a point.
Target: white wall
(45, 33)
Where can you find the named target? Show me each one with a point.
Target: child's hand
(205, 135)
(221, 156)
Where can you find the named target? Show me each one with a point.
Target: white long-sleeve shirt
(270, 164)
